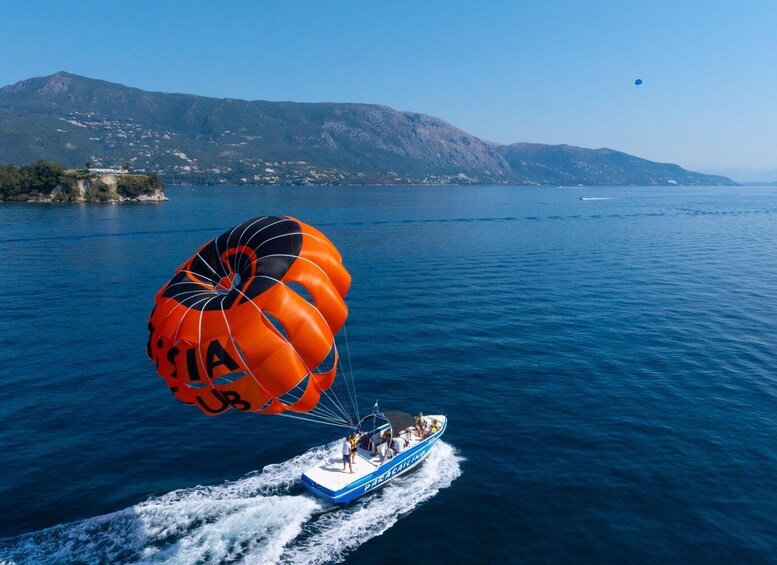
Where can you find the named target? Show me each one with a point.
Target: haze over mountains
(194, 139)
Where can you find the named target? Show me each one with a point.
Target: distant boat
(594, 198)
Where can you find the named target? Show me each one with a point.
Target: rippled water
(608, 368)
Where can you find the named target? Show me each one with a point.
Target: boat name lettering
(393, 471)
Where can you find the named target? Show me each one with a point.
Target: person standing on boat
(347, 454)
(353, 440)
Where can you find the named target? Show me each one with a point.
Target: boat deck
(329, 473)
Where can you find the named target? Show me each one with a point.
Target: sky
(506, 71)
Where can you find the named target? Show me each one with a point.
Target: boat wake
(265, 517)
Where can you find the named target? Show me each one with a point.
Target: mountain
(187, 138)
(568, 165)
(748, 176)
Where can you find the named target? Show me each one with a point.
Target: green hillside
(186, 138)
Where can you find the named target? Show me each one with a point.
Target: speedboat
(380, 458)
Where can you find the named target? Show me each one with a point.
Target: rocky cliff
(46, 181)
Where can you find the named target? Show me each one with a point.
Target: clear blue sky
(544, 71)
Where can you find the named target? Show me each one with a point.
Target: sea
(606, 357)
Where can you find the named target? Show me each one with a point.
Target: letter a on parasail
(248, 322)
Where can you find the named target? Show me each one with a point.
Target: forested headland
(48, 181)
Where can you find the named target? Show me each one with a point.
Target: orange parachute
(249, 321)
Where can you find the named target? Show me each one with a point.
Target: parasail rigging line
(178, 327)
(183, 317)
(302, 399)
(255, 221)
(339, 389)
(250, 372)
(319, 409)
(199, 276)
(296, 417)
(324, 413)
(269, 239)
(179, 304)
(189, 282)
(260, 230)
(344, 410)
(199, 338)
(229, 237)
(350, 368)
(333, 400)
(194, 293)
(352, 387)
(211, 269)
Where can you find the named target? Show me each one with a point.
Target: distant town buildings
(106, 171)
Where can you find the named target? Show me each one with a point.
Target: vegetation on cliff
(47, 181)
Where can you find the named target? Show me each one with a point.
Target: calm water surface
(608, 367)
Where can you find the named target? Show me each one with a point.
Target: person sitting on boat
(347, 455)
(398, 444)
(420, 425)
(435, 427)
(374, 442)
(383, 444)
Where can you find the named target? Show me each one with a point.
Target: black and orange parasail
(249, 321)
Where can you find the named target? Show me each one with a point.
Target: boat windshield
(373, 423)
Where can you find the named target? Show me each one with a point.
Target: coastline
(48, 182)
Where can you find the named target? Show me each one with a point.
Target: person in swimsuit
(420, 425)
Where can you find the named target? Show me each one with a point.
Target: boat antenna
(375, 410)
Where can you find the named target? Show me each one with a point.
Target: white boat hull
(330, 482)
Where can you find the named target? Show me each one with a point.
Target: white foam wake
(265, 517)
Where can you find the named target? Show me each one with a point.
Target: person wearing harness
(353, 440)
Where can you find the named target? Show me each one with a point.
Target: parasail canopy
(248, 322)
(638, 81)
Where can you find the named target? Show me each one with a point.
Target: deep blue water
(608, 368)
